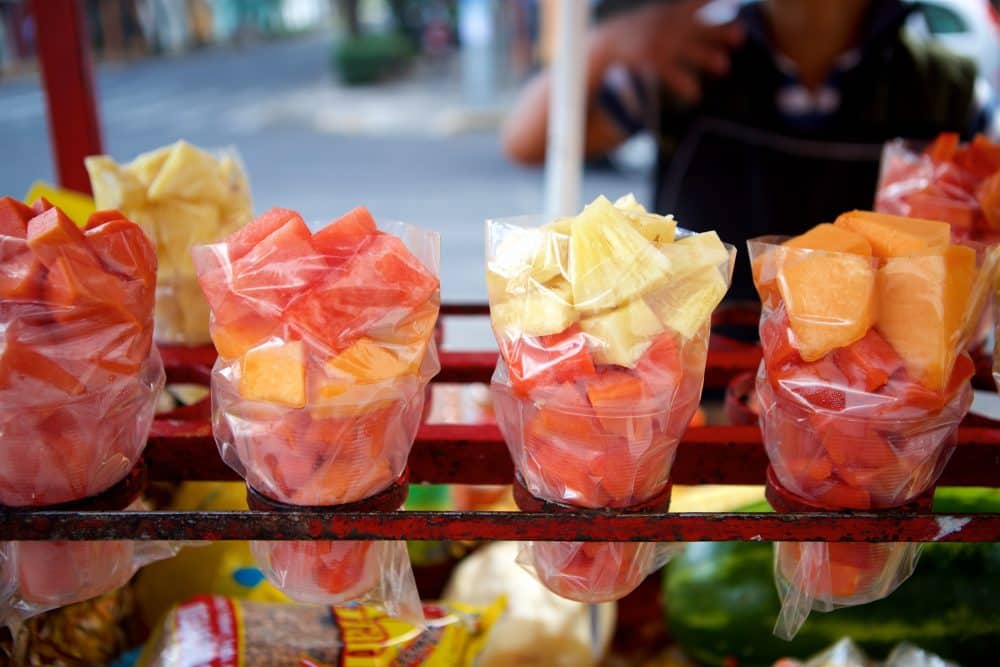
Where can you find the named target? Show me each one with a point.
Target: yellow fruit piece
(686, 304)
(830, 299)
(895, 235)
(538, 312)
(178, 226)
(367, 361)
(146, 166)
(416, 327)
(560, 226)
(610, 263)
(188, 173)
(622, 335)
(275, 373)
(924, 304)
(657, 229)
(831, 238)
(694, 253)
(528, 255)
(113, 187)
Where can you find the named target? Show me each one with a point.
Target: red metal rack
(181, 447)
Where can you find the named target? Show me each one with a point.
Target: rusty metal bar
(583, 526)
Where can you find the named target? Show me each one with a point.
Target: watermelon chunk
(279, 267)
(98, 218)
(342, 237)
(534, 362)
(51, 235)
(14, 217)
(870, 359)
(242, 241)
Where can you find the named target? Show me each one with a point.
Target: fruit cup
(823, 576)
(864, 378)
(181, 196)
(602, 323)
(325, 348)
(79, 376)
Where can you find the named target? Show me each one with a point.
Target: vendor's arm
(666, 41)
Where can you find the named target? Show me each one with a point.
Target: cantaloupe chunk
(275, 373)
(366, 361)
(826, 236)
(923, 302)
(830, 299)
(895, 235)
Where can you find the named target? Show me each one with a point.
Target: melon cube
(275, 373)
(923, 303)
(830, 299)
(367, 361)
(621, 335)
(829, 237)
(895, 235)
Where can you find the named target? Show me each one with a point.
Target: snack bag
(865, 378)
(957, 184)
(181, 196)
(602, 322)
(225, 632)
(79, 375)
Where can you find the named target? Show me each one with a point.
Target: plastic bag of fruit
(325, 348)
(602, 321)
(337, 572)
(39, 576)
(181, 196)
(823, 576)
(845, 653)
(212, 630)
(864, 378)
(79, 375)
(947, 181)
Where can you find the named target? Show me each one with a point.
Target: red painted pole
(67, 74)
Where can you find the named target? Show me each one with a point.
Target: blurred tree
(348, 11)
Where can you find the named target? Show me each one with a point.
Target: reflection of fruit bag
(325, 349)
(336, 572)
(956, 184)
(864, 378)
(79, 376)
(602, 323)
(38, 576)
(180, 196)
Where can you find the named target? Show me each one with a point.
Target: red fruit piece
(51, 235)
(871, 358)
(341, 565)
(255, 231)
(981, 158)
(21, 274)
(279, 267)
(343, 236)
(660, 366)
(124, 249)
(14, 217)
(41, 205)
(989, 199)
(98, 218)
(942, 149)
(534, 362)
(842, 496)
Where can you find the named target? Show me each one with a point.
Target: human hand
(670, 41)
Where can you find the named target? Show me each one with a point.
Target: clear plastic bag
(337, 572)
(39, 576)
(79, 375)
(823, 576)
(845, 653)
(957, 184)
(864, 378)
(181, 196)
(325, 350)
(594, 572)
(602, 323)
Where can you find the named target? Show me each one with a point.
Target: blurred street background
(321, 124)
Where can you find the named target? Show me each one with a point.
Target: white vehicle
(968, 27)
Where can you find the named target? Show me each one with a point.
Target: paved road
(227, 97)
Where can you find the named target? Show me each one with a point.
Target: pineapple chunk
(560, 226)
(275, 373)
(610, 263)
(538, 312)
(657, 229)
(622, 335)
(688, 303)
(693, 253)
(146, 166)
(188, 173)
(530, 255)
(112, 186)
(178, 226)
